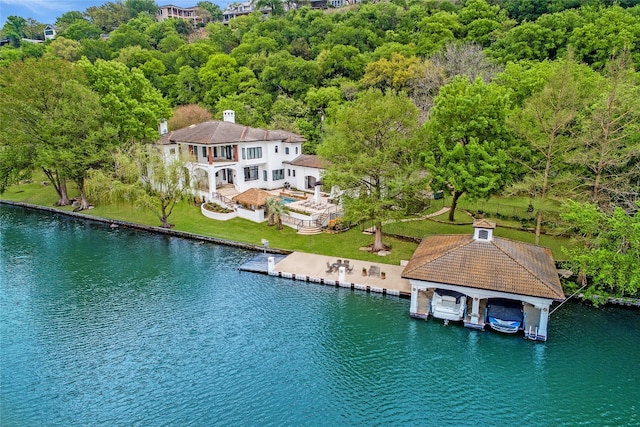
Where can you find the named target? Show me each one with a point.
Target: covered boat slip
(448, 305)
(533, 318)
(483, 281)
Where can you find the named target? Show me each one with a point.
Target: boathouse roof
(221, 132)
(497, 264)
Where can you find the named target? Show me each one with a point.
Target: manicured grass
(187, 217)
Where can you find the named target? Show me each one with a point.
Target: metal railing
(227, 201)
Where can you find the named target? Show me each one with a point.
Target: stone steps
(310, 230)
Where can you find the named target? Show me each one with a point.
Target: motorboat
(448, 305)
(504, 315)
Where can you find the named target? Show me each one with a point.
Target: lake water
(122, 328)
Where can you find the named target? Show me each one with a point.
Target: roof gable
(500, 265)
(308, 161)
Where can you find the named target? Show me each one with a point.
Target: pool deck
(313, 268)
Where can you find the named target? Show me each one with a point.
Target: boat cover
(447, 292)
(504, 309)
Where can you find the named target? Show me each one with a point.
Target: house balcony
(209, 155)
(203, 161)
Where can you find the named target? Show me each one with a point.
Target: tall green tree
(14, 29)
(108, 16)
(608, 143)
(214, 11)
(135, 7)
(222, 76)
(81, 29)
(53, 122)
(468, 140)
(76, 136)
(68, 18)
(144, 178)
(131, 103)
(30, 93)
(372, 157)
(288, 74)
(546, 123)
(609, 253)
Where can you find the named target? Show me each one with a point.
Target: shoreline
(627, 303)
(118, 223)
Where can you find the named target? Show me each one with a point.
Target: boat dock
(380, 278)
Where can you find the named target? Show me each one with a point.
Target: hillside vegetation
(537, 100)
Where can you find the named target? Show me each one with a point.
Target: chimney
(164, 128)
(229, 116)
(483, 230)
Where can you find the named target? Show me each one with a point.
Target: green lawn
(187, 217)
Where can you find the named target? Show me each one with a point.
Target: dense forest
(511, 97)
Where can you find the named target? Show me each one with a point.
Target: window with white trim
(277, 174)
(254, 153)
(251, 173)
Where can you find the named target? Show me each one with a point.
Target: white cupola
(483, 230)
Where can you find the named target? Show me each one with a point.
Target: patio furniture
(330, 268)
(374, 271)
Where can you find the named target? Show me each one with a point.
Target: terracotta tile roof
(483, 223)
(309, 161)
(500, 265)
(220, 132)
(165, 139)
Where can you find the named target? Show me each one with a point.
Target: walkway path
(431, 215)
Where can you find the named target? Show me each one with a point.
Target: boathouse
(483, 280)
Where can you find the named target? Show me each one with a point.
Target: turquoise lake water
(123, 328)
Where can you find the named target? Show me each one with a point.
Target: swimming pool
(286, 200)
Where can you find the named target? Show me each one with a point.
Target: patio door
(310, 182)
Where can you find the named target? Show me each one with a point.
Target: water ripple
(124, 328)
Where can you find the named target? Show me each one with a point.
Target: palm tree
(275, 209)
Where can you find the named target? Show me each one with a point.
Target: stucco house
(170, 11)
(226, 154)
(236, 9)
(483, 280)
(49, 32)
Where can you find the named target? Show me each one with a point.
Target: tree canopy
(519, 97)
(468, 140)
(372, 157)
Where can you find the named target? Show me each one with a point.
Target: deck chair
(329, 268)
